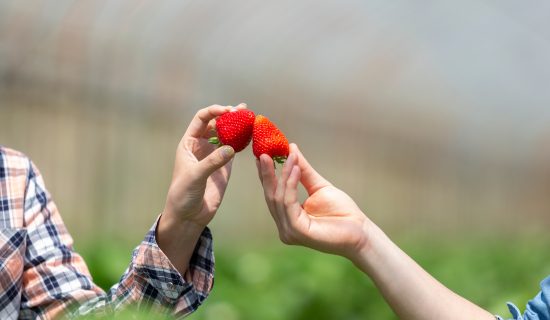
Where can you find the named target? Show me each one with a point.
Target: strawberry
(268, 139)
(234, 129)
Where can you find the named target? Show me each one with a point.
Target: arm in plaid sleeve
(56, 280)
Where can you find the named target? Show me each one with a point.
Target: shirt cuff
(514, 311)
(185, 292)
(538, 307)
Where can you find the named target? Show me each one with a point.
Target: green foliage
(281, 282)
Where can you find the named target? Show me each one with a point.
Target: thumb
(215, 160)
(311, 179)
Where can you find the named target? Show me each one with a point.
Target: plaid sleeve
(56, 280)
(151, 281)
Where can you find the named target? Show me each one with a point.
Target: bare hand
(201, 171)
(328, 221)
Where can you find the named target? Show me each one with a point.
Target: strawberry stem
(214, 140)
(279, 159)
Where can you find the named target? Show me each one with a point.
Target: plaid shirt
(42, 277)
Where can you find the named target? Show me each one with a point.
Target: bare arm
(330, 221)
(410, 291)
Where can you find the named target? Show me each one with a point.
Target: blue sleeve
(538, 308)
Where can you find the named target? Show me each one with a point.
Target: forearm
(410, 291)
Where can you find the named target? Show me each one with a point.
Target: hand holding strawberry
(328, 220)
(201, 172)
(200, 177)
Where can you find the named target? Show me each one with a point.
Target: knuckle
(199, 112)
(215, 158)
(219, 158)
(202, 114)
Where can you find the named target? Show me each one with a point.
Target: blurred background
(433, 116)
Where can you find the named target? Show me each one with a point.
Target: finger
(210, 130)
(269, 183)
(281, 187)
(281, 183)
(268, 194)
(311, 180)
(259, 167)
(214, 161)
(292, 205)
(241, 106)
(216, 186)
(199, 125)
(268, 175)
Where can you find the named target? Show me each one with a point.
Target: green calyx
(214, 140)
(279, 159)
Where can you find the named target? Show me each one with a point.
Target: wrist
(172, 224)
(375, 240)
(177, 239)
(173, 232)
(178, 214)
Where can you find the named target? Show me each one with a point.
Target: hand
(201, 171)
(328, 221)
(200, 177)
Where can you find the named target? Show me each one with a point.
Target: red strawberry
(268, 139)
(235, 129)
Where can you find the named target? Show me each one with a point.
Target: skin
(330, 221)
(200, 176)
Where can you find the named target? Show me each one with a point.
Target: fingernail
(227, 152)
